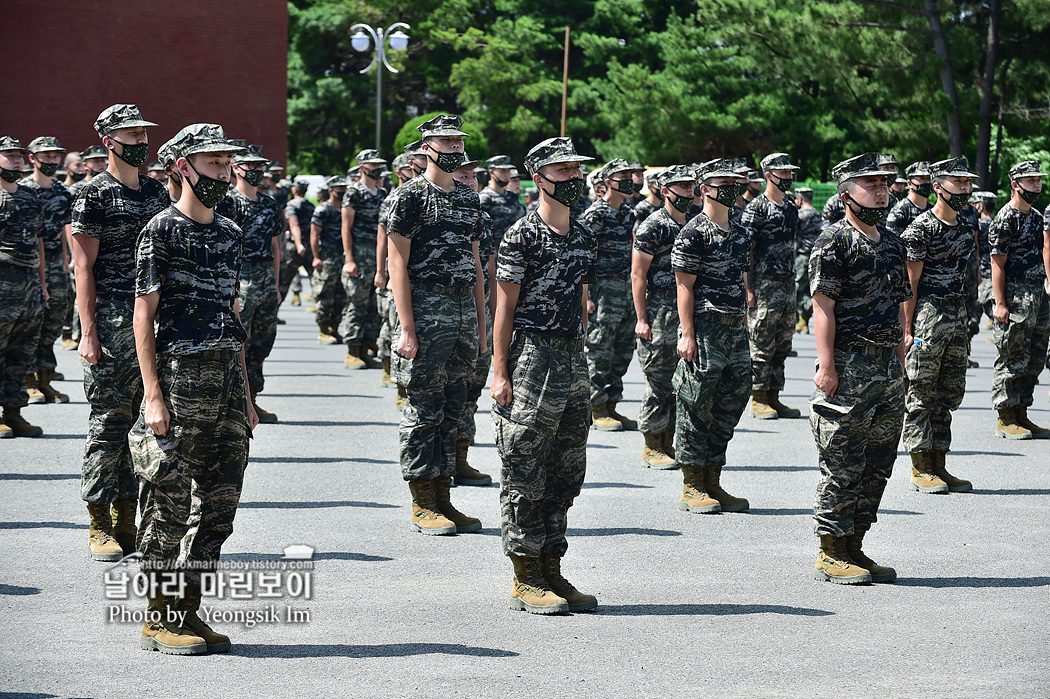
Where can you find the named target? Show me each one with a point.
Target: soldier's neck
(613, 199)
(919, 201)
(717, 213)
(42, 179)
(1020, 204)
(774, 194)
(554, 214)
(439, 178)
(251, 193)
(945, 213)
(127, 175)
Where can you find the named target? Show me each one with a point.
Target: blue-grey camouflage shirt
(772, 230)
(259, 221)
(902, 214)
(504, 209)
(719, 259)
(944, 251)
(1019, 237)
(612, 229)
(56, 204)
(366, 210)
(330, 239)
(656, 237)
(810, 224)
(20, 213)
(302, 210)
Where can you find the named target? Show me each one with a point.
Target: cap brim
(720, 173)
(248, 158)
(211, 147)
(133, 124)
(957, 173)
(870, 173)
(376, 161)
(432, 134)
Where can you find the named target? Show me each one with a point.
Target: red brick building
(180, 61)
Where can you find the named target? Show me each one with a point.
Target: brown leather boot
(602, 420)
(465, 473)
(923, 477)
(68, 343)
(36, 396)
(854, 542)
(385, 381)
(577, 601)
(265, 416)
(835, 565)
(161, 634)
(368, 356)
(694, 497)
(51, 394)
(668, 441)
(531, 592)
(327, 334)
(426, 517)
(402, 396)
(955, 485)
(102, 545)
(353, 359)
(191, 604)
(760, 407)
(802, 326)
(628, 424)
(442, 497)
(12, 417)
(713, 487)
(782, 410)
(1037, 431)
(653, 454)
(1009, 426)
(122, 514)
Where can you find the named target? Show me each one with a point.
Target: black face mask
(10, 176)
(726, 195)
(636, 187)
(252, 177)
(567, 192)
(625, 186)
(448, 162)
(1030, 197)
(956, 202)
(209, 191)
(371, 174)
(336, 196)
(77, 176)
(784, 185)
(48, 169)
(133, 154)
(923, 190)
(683, 204)
(869, 215)
(498, 182)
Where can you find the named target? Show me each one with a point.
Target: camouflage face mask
(134, 154)
(726, 195)
(783, 184)
(209, 191)
(567, 192)
(869, 215)
(10, 176)
(624, 186)
(448, 162)
(1030, 197)
(923, 190)
(499, 182)
(252, 177)
(957, 202)
(77, 176)
(683, 204)
(48, 169)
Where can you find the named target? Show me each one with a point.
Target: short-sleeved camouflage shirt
(834, 210)
(196, 267)
(656, 237)
(115, 215)
(77, 187)
(56, 204)
(504, 209)
(772, 230)
(20, 216)
(580, 206)
(644, 210)
(302, 210)
(486, 246)
(983, 248)
(902, 214)
(719, 259)
(1046, 219)
(810, 224)
(330, 239)
(258, 220)
(944, 251)
(442, 227)
(551, 270)
(867, 281)
(1019, 236)
(366, 210)
(384, 208)
(612, 229)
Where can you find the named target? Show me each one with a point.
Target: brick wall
(180, 61)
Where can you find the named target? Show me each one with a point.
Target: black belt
(441, 288)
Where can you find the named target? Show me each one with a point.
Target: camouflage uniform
(713, 389)
(857, 430)
(810, 224)
(328, 287)
(385, 305)
(504, 209)
(56, 204)
(1022, 343)
(985, 297)
(441, 226)
(480, 376)
(542, 435)
(771, 228)
(361, 321)
(21, 300)
(302, 210)
(610, 329)
(834, 210)
(970, 219)
(577, 209)
(643, 211)
(260, 222)
(936, 362)
(658, 357)
(902, 214)
(114, 215)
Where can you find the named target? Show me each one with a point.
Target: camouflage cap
(677, 173)
(252, 154)
(472, 162)
(401, 161)
(119, 116)
(370, 156)
(480, 169)
(355, 171)
(442, 125)
(532, 193)
(654, 176)
(1026, 168)
(803, 190)
(952, 167)
(414, 148)
(864, 165)
(755, 176)
(720, 167)
(740, 167)
(618, 165)
(335, 181)
(95, 152)
(552, 151)
(45, 144)
(202, 138)
(155, 166)
(980, 196)
(275, 166)
(499, 161)
(514, 174)
(635, 165)
(166, 154)
(777, 161)
(919, 168)
(595, 179)
(888, 159)
(11, 143)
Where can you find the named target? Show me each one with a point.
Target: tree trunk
(940, 45)
(984, 126)
(994, 173)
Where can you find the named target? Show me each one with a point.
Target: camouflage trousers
(986, 297)
(190, 479)
(388, 314)
(857, 432)
(712, 391)
(771, 326)
(361, 320)
(973, 293)
(21, 311)
(72, 322)
(803, 297)
(542, 442)
(658, 359)
(436, 379)
(290, 264)
(936, 369)
(114, 390)
(55, 311)
(259, 316)
(610, 338)
(1022, 345)
(476, 382)
(329, 293)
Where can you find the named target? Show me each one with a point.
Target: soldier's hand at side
(408, 345)
(752, 300)
(642, 330)
(317, 264)
(687, 348)
(350, 269)
(46, 294)
(301, 249)
(1001, 313)
(501, 391)
(157, 417)
(380, 280)
(827, 380)
(591, 307)
(89, 348)
(253, 417)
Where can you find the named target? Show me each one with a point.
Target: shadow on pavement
(605, 485)
(770, 468)
(1041, 581)
(809, 511)
(706, 610)
(39, 476)
(336, 423)
(620, 531)
(18, 590)
(1015, 491)
(314, 460)
(42, 525)
(322, 556)
(316, 395)
(312, 505)
(342, 650)
(985, 453)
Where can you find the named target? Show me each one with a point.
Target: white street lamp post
(398, 41)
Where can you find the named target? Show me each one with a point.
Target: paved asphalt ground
(690, 604)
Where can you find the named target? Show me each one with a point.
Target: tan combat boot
(531, 592)
(773, 398)
(402, 396)
(760, 407)
(923, 477)
(1010, 427)
(628, 424)
(122, 514)
(353, 359)
(68, 343)
(36, 396)
(51, 394)
(602, 421)
(326, 334)
(464, 524)
(6, 432)
(653, 455)
(835, 565)
(296, 300)
(368, 356)
(102, 545)
(550, 565)
(668, 441)
(265, 416)
(713, 487)
(158, 633)
(802, 326)
(854, 542)
(694, 497)
(1037, 431)
(955, 485)
(12, 418)
(426, 517)
(465, 473)
(385, 381)
(191, 604)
